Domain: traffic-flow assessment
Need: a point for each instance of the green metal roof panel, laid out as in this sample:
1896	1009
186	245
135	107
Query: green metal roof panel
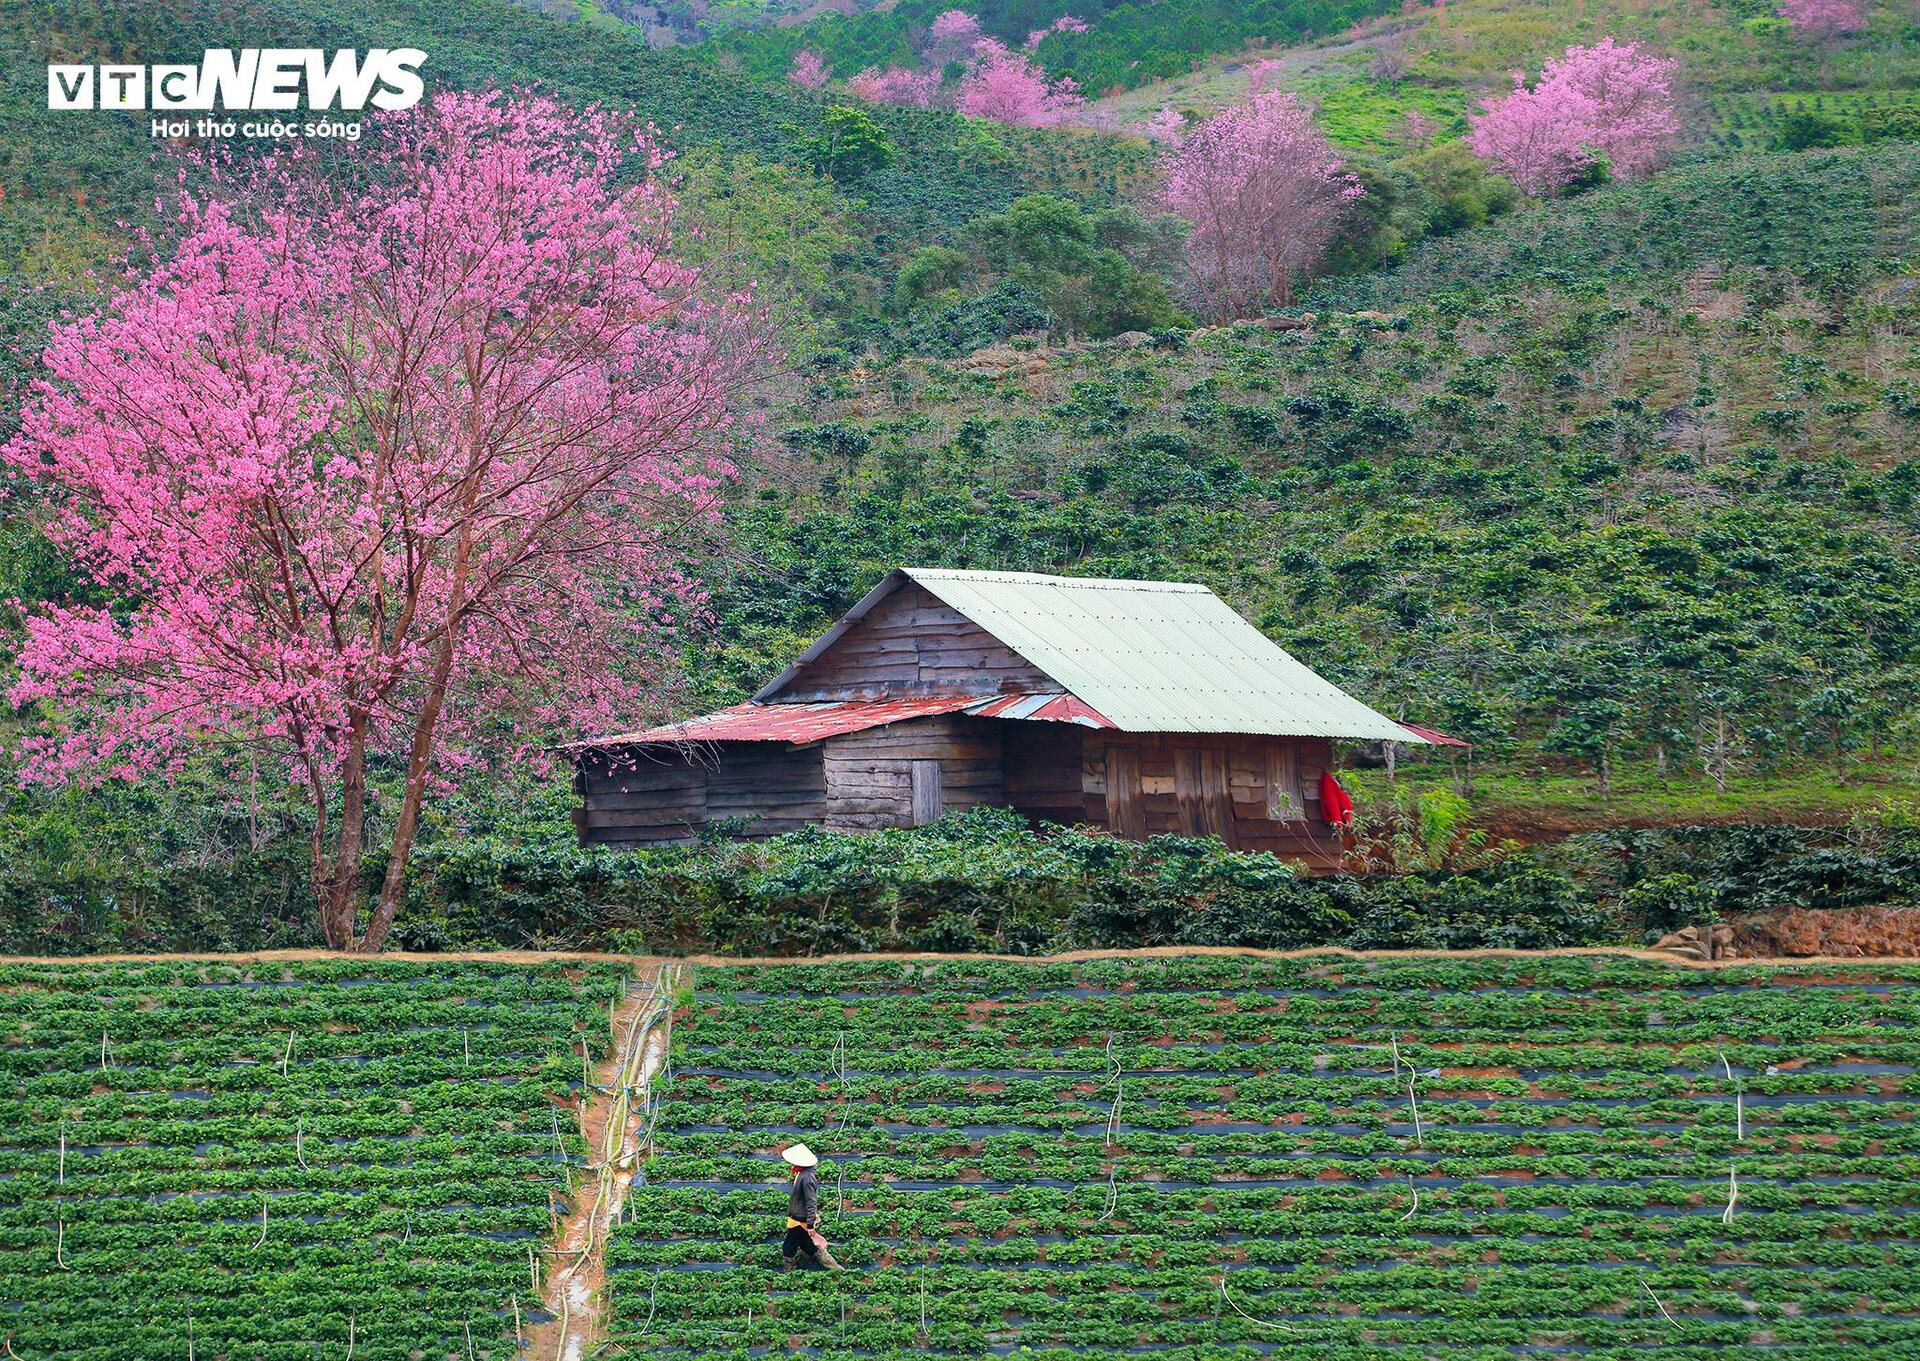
1156	656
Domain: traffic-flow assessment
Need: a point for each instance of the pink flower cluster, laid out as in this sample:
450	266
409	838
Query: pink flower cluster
1611	100
809	71
1066	23
398	465
951	38
1003	85
1265	193
1821	20
896	85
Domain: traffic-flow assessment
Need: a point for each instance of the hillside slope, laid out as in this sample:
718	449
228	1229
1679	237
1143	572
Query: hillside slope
1565	485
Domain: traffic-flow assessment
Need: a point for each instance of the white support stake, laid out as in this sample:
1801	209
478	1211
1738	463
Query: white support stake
1262	1323
1739	1101
1733	1193
1656	1302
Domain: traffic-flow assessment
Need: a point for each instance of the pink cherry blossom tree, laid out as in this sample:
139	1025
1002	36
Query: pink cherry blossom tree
1003	85
401	464
1265	193
1609	100
895	85
951	37
1066	23
1824	20
809	71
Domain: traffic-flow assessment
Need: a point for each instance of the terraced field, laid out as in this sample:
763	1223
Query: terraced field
284	1161
1327	1158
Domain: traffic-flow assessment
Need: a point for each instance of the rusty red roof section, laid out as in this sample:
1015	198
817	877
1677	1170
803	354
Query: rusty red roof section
1435	736
803	723
1045	708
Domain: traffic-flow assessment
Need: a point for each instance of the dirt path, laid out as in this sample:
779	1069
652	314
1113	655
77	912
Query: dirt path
613	1120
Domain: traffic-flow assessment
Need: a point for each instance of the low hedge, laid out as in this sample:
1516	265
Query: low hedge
981	882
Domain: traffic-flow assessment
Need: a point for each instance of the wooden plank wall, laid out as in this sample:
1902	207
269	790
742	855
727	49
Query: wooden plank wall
870	774
660	795
911	644
1041	762
1201	785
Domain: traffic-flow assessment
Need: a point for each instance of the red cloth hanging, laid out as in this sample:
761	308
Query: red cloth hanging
1335	805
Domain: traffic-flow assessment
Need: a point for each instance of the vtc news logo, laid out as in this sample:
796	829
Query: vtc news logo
269	78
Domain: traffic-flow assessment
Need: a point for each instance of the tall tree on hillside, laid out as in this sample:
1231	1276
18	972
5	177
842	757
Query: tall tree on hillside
951	37
809	72
1824	20
1265	193
1611	103
390	467
1003	85
895	85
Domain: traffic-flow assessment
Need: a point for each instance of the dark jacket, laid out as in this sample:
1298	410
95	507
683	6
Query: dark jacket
803	1203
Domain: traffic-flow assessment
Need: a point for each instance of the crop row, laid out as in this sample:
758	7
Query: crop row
251	1161
1331	1157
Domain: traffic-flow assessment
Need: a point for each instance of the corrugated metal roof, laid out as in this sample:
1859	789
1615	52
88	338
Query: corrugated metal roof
1155	656
1435	736
817	721
796	723
1047	708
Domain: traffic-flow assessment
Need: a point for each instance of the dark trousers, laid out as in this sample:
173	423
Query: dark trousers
796	1243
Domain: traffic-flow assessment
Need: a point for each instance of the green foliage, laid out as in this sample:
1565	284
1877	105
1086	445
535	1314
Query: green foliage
1128	43
931	270
1301	1158
1898	123
266	1157
849	146
1804	128
779	230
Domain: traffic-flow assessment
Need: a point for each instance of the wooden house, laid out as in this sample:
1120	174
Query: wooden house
1138	707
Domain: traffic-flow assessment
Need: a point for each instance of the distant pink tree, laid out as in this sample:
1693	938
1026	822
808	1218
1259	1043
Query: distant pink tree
1823	20
809	72
392	468
1265	193
895	85
1066	23
1609	100
1420	128
951	38
1005	86
1260	73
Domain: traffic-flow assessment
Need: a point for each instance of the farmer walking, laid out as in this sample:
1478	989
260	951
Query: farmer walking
803	1213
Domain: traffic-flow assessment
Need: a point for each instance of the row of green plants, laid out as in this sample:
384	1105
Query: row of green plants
262	1158
1019	1156
978	882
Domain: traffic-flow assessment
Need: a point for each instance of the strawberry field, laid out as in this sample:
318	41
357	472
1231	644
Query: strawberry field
284	1161
1331	1158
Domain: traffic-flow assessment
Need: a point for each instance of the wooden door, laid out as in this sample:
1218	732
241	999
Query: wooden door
927	802
1200	788
1126	813
1286	800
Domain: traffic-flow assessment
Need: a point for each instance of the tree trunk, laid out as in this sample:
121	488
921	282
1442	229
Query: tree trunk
420	754
341	904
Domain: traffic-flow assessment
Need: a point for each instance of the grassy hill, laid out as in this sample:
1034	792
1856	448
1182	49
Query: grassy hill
70	179
1566	484
1741	69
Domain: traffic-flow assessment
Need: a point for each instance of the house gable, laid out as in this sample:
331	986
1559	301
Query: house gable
908	643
